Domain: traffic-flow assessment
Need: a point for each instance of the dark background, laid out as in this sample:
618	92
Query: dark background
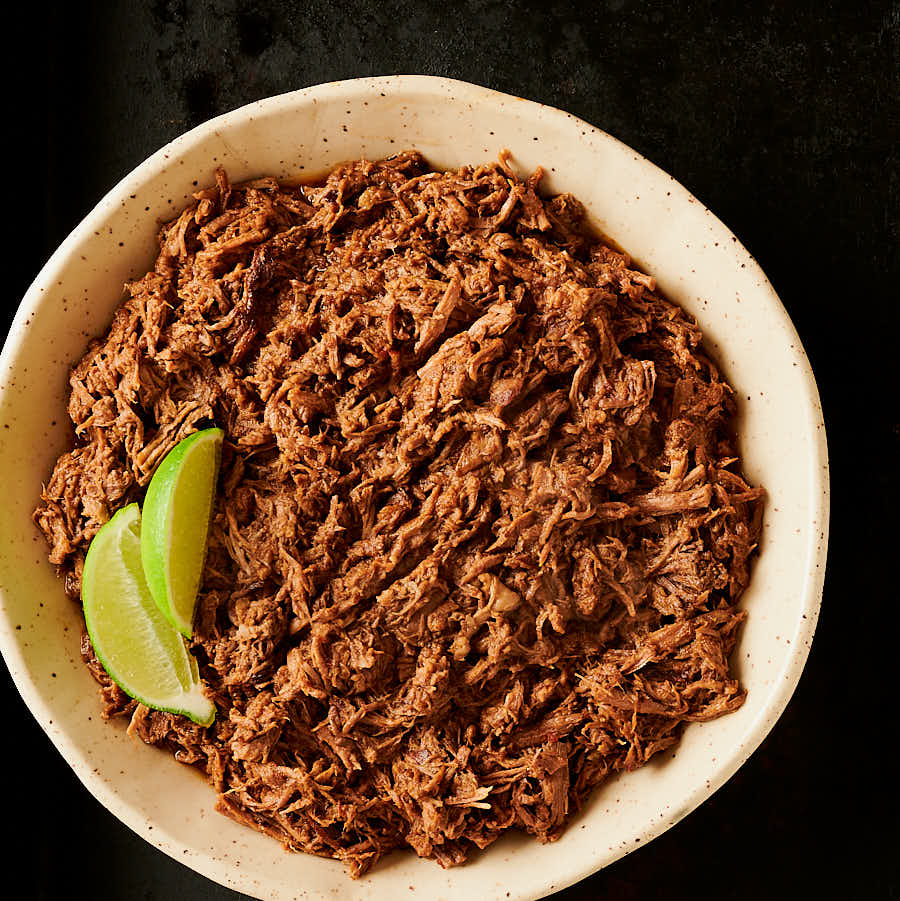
782	117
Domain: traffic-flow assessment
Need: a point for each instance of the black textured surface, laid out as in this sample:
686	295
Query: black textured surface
782	117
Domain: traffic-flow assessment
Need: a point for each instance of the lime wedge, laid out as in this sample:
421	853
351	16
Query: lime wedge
177	512
139	649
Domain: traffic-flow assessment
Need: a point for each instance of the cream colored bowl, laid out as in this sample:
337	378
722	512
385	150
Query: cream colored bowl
697	262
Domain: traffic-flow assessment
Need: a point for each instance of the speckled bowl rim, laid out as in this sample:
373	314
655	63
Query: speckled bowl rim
336	91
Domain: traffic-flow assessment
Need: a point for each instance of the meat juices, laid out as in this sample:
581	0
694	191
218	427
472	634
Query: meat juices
481	529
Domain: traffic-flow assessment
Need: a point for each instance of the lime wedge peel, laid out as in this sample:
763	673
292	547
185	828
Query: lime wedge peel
141	651
176	518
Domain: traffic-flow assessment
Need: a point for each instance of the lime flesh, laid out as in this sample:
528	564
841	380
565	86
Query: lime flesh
137	646
176	518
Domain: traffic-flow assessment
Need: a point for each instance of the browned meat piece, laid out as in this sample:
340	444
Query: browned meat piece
481	531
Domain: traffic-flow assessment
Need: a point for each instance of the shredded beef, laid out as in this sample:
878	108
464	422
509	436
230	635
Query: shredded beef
480	533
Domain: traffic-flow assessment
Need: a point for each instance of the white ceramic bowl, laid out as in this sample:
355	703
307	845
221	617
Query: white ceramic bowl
697	262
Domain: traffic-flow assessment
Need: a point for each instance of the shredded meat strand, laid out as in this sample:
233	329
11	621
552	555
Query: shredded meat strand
481	530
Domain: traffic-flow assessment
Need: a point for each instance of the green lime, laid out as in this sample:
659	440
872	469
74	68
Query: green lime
139	649
177	512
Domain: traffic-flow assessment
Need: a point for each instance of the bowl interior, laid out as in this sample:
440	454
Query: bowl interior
698	263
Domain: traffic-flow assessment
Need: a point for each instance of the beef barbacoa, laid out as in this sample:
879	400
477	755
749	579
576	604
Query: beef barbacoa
480	531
